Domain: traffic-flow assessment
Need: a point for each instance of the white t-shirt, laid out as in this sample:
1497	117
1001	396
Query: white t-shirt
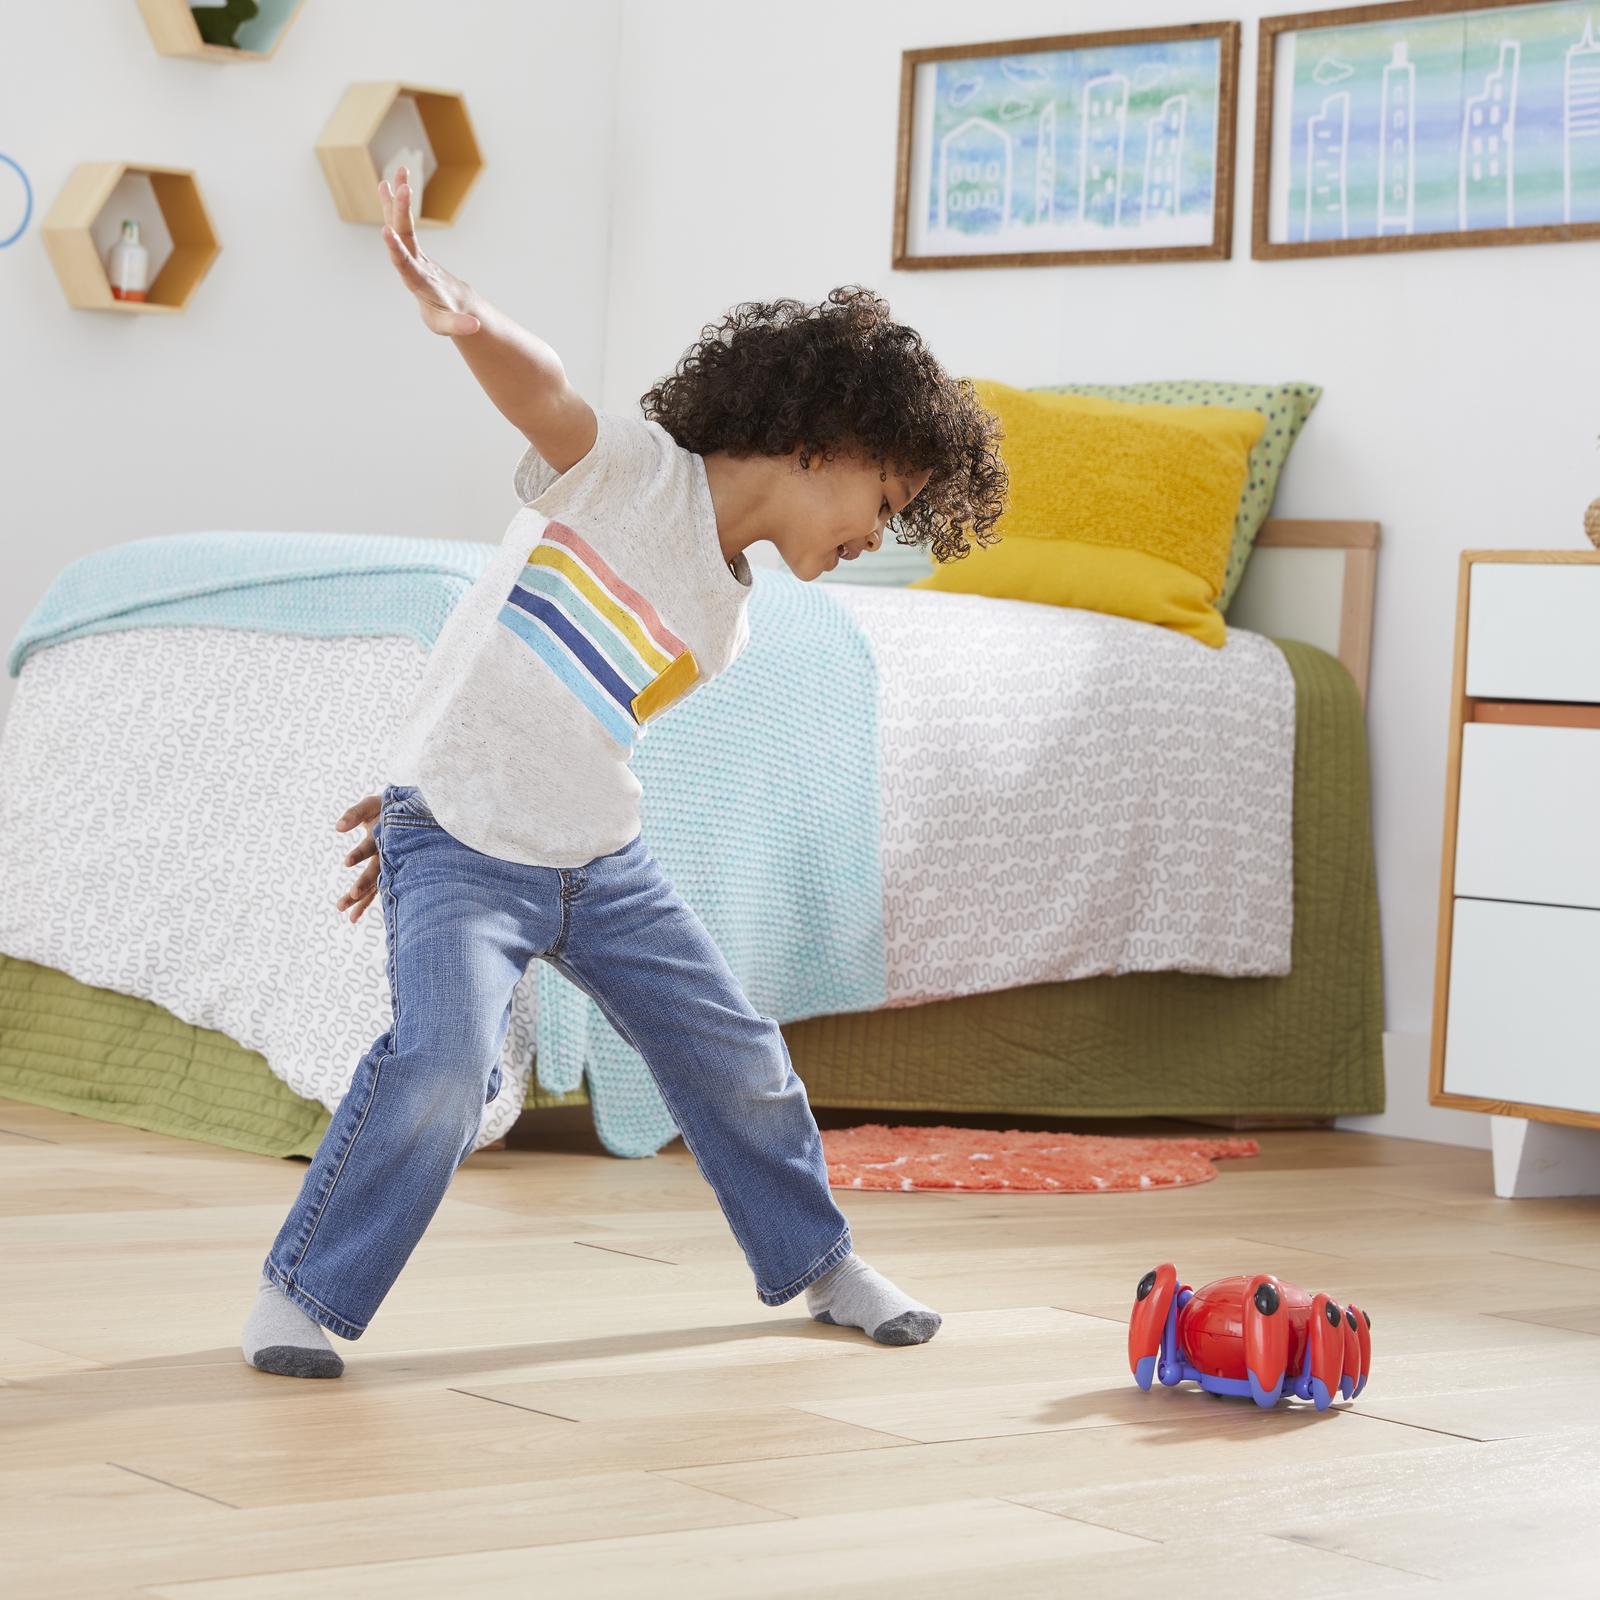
608	601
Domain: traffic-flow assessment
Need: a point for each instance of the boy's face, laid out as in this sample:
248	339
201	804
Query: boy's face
833	511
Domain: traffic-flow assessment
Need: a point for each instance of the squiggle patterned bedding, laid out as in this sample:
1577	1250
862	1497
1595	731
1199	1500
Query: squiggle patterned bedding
1067	794
182	847
1062	794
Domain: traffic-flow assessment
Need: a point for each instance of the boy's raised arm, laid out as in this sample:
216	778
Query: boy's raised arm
519	372
526	380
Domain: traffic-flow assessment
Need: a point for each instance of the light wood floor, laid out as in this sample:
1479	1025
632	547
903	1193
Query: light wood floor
573	1391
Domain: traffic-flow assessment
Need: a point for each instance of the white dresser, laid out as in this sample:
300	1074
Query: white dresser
1516	1021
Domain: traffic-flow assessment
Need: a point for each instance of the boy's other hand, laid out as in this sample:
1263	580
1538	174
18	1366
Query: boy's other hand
444	300
361	893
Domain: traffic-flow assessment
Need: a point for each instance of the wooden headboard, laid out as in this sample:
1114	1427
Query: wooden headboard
1313	581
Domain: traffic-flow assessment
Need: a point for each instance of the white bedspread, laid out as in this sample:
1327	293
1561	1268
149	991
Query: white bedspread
122	752
1063	794
1067	794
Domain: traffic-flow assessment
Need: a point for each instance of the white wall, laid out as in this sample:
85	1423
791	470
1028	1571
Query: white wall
754	157
759	159
299	389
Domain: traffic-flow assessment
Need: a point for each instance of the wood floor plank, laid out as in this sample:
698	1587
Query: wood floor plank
131	1529
1197	1565
898	1552
1503	1413
573	1388
1441	1475
987	1363
1581	1319
20	1360
1186	1431
299	1442
1438	1544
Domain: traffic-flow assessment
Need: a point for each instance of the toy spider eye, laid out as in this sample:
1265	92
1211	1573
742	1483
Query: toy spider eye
1266	1299
1369	1319
1333	1313
1349	1316
1146	1284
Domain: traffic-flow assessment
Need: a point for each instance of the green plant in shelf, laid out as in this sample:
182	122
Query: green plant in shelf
220	24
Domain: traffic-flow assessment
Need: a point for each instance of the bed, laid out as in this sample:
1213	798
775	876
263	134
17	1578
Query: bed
113	1011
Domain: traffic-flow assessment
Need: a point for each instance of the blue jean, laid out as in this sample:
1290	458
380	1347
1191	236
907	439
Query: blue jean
461	928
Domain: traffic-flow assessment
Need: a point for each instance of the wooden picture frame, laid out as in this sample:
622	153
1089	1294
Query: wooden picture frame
1476	180
1158	155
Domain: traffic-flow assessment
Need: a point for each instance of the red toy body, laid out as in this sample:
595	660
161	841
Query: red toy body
1250	1334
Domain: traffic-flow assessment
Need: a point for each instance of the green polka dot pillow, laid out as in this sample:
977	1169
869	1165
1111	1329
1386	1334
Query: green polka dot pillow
1285	405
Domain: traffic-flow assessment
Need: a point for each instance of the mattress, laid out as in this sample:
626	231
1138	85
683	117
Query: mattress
1308	1044
1060	794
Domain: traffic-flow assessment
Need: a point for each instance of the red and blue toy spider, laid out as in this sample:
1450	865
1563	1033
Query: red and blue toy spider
1249	1334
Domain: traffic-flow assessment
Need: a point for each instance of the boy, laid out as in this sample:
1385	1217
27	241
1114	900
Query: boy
510	827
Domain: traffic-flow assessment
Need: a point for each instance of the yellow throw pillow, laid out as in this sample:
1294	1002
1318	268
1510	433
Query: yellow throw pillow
1113	506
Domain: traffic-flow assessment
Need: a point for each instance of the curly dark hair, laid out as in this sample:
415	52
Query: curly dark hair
779	376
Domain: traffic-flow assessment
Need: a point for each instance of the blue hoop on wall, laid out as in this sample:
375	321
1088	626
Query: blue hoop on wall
27	202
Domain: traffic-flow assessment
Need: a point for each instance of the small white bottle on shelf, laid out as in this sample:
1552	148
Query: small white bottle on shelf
128	264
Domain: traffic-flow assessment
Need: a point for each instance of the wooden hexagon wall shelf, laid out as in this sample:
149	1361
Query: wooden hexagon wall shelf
87	217
173	26
373	122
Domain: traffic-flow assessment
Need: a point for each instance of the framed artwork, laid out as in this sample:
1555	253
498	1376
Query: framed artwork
1075	149
1425	125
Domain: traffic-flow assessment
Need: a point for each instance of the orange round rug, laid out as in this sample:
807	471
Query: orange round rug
875	1156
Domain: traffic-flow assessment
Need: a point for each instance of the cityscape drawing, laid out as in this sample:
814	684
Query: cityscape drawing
1438	124
1102	147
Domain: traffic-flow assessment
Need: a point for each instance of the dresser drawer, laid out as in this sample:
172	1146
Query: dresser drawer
1528	825
1533	631
1521	1021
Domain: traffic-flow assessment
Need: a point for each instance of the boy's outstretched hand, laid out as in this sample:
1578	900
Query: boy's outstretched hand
443	299
361	893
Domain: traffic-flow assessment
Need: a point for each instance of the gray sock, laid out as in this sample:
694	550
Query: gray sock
852	1294
281	1338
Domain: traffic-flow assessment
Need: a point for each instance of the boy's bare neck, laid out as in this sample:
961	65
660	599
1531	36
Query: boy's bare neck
741	494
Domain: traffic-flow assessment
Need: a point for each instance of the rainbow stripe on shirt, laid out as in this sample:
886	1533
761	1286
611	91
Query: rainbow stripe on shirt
598	634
